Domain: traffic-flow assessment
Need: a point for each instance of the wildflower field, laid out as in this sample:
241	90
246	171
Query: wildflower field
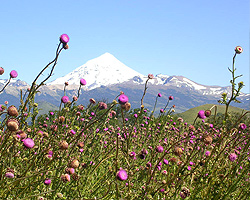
106	150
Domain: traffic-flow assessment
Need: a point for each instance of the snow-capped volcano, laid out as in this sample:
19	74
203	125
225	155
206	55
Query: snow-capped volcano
107	70
101	71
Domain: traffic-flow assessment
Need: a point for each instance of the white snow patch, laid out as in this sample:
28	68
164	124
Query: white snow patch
196	86
101	71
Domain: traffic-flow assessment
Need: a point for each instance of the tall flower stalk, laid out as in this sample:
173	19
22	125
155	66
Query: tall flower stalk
150	76
235	91
34	87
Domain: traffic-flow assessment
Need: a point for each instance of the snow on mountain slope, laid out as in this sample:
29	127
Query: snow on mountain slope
161	79
183	82
101	71
14	82
106	70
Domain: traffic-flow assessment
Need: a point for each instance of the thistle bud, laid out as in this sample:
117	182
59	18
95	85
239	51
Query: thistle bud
208	113
61	119
126	106
92	101
65	46
65	178
23	135
178	151
150	76
80	144
208	140
12	111
241	84
74	164
12	124
1	71
63	145
238	49
75	98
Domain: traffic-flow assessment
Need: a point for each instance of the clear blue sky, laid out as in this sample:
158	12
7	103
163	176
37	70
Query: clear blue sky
193	38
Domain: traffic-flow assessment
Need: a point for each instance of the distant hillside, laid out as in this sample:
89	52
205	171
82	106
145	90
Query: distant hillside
191	114
44	107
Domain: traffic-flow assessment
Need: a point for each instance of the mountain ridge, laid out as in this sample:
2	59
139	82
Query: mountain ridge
106	76
107	70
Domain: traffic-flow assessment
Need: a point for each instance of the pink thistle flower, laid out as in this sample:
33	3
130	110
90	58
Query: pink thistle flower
122	175
159	149
165	161
13	74
242	126
207	153
170	98
83	81
64	38
29	143
64	99
232	157
70	170
9	175
159	95
102	106
47	182
123	99
149	164
201	114
132	154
